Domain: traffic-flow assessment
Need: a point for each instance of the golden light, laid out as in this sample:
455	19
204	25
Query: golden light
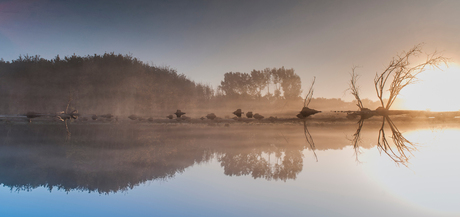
430	181
436	90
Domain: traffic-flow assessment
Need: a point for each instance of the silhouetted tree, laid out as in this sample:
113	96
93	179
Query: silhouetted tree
401	73
236	84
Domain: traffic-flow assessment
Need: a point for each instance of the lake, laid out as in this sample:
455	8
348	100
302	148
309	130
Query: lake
288	168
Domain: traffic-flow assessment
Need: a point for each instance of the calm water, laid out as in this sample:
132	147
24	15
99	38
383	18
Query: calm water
281	169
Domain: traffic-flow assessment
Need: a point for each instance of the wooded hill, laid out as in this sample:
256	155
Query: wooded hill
106	83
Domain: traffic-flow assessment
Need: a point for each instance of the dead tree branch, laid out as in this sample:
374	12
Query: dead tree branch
309	95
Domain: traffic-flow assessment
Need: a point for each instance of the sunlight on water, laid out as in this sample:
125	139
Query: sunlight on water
433	181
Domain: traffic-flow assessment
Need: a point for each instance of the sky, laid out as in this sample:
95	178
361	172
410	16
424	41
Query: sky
204	39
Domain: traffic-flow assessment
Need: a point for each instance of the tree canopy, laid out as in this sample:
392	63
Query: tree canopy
252	85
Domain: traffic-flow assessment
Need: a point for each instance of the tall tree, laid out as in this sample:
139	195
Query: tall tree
276	75
290	83
259	80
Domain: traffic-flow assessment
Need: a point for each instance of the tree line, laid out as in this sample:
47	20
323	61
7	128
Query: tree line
108	83
123	85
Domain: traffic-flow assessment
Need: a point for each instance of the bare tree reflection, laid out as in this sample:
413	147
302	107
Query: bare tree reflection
66	116
68	131
309	139
400	149
357	139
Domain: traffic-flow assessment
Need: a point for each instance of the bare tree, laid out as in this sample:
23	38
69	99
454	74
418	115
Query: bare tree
404	73
354	88
364	113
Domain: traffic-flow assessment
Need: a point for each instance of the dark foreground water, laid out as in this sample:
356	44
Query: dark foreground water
279	169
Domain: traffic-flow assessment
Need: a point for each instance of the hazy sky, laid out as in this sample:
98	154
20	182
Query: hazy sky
205	39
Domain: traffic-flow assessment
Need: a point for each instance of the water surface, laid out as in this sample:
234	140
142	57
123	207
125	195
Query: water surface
277	169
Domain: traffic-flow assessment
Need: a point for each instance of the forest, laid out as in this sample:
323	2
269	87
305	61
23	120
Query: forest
122	85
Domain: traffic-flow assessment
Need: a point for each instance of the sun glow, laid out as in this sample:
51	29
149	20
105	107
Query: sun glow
436	90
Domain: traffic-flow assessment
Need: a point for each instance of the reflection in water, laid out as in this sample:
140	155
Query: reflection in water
108	158
403	146
357	139
398	151
288	163
309	139
67	130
